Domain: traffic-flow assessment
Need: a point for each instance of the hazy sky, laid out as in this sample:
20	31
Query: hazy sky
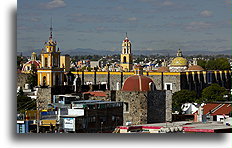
102	24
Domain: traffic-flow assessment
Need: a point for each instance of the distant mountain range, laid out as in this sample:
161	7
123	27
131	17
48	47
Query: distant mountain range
89	51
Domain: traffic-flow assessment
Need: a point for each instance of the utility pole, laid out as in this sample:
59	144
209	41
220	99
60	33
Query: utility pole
101	126
37	111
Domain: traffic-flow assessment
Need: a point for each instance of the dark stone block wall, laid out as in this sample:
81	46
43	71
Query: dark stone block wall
159	106
137	106
146	107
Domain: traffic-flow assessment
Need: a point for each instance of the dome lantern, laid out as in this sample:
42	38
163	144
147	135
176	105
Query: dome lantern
179	53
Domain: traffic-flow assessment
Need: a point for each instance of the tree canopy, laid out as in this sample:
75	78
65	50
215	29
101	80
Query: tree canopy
202	63
214	92
181	97
215	64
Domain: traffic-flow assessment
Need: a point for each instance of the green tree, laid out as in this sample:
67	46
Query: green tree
20	61
214	92
83	68
181	97
218	64
201	63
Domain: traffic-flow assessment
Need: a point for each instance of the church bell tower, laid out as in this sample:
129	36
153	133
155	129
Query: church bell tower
126	55
50	73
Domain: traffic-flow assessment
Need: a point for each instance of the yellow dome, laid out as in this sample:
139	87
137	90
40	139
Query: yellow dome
179	61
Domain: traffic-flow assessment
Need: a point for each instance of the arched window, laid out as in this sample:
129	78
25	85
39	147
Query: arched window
124	59
152	86
44	81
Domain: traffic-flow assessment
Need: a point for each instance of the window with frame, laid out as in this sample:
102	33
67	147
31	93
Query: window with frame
168	86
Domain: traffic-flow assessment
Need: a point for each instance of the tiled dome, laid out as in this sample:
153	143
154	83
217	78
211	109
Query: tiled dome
30	63
179	61
137	83
195	68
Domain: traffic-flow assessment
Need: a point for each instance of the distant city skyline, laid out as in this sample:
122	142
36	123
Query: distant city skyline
102	25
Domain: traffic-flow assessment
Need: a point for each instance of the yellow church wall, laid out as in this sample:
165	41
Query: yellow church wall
128	73
49	74
50	48
40	78
102	72
128	58
65	62
115	73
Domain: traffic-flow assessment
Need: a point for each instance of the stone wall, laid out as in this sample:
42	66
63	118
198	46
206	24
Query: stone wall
113	79
185	80
44	97
45	94
159	106
146	107
136	103
21	79
168	105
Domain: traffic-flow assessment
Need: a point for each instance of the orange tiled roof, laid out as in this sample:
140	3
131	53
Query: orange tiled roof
96	93
224	108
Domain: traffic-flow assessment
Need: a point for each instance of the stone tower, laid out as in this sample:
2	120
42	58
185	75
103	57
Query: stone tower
126	55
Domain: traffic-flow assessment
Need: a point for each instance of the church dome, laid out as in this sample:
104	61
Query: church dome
163	69
137	83
195	68
28	66
179	61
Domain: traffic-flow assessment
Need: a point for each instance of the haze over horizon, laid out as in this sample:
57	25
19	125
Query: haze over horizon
152	25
